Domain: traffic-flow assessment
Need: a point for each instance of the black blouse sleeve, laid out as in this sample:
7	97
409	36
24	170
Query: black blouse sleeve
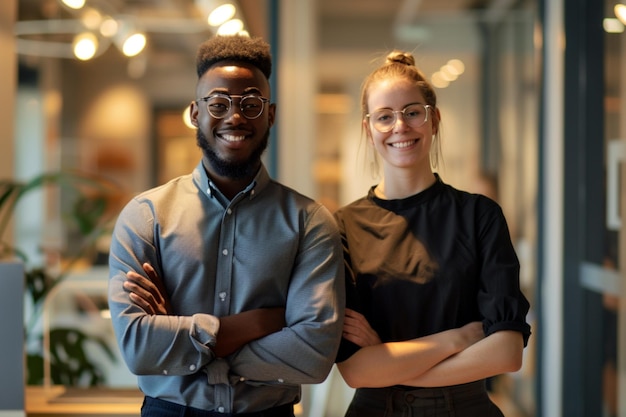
347	348
500	299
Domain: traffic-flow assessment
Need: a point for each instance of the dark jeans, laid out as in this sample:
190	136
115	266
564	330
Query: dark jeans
154	407
466	400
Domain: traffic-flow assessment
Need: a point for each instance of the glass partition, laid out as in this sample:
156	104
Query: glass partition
614	272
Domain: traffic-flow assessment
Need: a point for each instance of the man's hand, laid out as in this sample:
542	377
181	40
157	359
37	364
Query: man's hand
235	331
148	293
357	330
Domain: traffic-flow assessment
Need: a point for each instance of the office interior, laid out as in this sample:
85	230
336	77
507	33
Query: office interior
533	101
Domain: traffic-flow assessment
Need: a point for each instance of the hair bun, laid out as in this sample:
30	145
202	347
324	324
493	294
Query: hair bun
399	57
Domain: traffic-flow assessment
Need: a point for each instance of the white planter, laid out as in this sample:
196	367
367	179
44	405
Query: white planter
12	345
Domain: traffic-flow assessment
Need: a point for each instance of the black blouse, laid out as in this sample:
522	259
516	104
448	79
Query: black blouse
430	262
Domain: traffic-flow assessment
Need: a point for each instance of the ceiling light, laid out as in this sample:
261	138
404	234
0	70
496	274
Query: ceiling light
74	4
612	25
620	12
128	39
222	14
85	46
438	81
448	73
134	44
232	27
31	39
457	66
91	18
109	27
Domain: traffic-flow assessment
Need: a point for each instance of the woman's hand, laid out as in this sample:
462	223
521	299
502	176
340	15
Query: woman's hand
357	330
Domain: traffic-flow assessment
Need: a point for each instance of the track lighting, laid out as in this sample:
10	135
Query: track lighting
74	4
222	14
92	29
128	39
85	46
620	12
134	44
232	27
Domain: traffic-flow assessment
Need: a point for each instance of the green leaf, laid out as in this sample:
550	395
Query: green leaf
34	369
69	362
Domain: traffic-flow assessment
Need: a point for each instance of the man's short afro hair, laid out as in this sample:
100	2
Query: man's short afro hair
253	51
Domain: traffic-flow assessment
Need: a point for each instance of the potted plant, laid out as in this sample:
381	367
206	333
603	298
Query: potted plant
87	214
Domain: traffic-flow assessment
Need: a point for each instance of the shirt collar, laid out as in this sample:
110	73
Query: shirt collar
257	185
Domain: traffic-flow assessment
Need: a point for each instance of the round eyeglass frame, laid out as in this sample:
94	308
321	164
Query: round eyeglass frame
242	98
410	122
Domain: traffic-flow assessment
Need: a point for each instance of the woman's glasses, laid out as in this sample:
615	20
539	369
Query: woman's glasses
414	115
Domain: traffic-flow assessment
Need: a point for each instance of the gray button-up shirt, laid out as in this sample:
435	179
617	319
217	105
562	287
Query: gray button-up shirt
268	247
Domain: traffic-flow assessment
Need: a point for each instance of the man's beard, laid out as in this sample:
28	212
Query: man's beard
234	170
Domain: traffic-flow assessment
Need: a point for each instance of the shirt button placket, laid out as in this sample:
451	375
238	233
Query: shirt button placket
224	271
222	294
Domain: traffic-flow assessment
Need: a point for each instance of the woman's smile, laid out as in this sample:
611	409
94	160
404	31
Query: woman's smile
403	144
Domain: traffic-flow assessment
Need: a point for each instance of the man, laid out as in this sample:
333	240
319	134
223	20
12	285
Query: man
226	288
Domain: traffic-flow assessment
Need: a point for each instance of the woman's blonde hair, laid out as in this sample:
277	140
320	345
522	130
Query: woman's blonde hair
399	64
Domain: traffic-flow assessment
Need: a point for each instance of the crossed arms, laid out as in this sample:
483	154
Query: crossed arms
451	357
234	331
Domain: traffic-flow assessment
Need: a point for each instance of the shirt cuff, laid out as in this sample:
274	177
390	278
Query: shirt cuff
204	328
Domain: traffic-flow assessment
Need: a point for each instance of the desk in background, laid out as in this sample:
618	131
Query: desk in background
59	401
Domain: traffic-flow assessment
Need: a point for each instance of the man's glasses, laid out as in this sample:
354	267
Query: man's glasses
414	115
219	105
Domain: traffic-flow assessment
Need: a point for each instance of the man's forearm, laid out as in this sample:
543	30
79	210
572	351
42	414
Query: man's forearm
239	329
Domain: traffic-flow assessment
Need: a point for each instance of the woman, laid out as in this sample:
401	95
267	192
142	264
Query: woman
434	301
